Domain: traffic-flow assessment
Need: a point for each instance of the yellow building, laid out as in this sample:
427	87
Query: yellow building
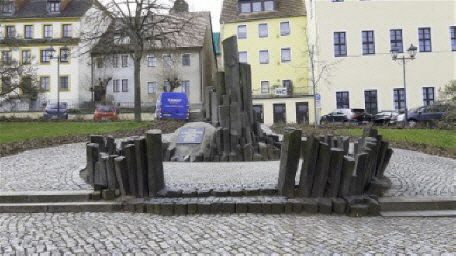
272	39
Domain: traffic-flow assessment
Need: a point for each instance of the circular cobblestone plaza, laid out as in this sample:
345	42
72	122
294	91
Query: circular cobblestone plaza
412	174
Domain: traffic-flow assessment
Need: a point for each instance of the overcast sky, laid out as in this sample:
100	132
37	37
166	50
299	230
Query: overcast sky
214	6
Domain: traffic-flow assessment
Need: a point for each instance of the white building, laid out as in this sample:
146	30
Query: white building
29	27
355	38
190	59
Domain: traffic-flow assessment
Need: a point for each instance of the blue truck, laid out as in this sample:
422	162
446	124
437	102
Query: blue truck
172	105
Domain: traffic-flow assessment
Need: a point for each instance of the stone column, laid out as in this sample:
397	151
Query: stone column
156	178
334	174
321	172
121	167
289	160
348	169
130	154
308	167
141	167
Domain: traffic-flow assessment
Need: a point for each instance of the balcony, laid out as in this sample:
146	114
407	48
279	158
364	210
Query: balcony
283	92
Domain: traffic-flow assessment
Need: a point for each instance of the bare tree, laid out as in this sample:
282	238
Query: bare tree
135	27
171	71
18	80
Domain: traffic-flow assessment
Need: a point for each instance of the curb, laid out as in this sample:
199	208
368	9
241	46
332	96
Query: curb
45	196
404	204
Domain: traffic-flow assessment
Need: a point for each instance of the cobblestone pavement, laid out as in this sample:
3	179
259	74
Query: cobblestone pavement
142	233
48	169
57	168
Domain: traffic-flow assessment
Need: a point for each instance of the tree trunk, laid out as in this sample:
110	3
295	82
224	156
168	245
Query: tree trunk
137	67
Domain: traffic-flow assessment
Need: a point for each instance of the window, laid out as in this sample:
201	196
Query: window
265	87
368	42
337	0
10	31
340	44
167	85
399	98
124	61
242	57
263	30
167	60
54	6
7	57
26	57
47	31
428	96
152	87
7	8
264	57
342	100
453	38
115	85
124	85
285	28
396	40
256	6
151	61
64	83
118	39
28	31
288	84
67	31
64	56
100	62
370	100
186	87
424	36
45	83
286	54
242	32
45	56
186	59
115	61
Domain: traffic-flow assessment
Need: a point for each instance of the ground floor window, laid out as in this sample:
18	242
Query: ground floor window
258	113
280	113
186	87
115	85
342	100
152	87
370	98
64	83
428	96
124	85
302	112
399	98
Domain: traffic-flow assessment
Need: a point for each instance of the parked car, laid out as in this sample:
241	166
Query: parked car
385	117
352	115
52	111
105	113
172	105
422	115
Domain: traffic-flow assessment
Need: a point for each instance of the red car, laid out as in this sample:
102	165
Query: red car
105	113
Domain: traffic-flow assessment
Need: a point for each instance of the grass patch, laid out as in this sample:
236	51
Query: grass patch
24	131
436	138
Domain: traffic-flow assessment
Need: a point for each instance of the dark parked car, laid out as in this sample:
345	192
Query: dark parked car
385	117
352	115
53	112
426	114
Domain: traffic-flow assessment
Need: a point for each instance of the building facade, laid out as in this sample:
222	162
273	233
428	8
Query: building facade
272	39
355	39
29	27
191	62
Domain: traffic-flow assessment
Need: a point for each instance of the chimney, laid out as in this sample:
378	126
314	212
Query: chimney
179	6
63	4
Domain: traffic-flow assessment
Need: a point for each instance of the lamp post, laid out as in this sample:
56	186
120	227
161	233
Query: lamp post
51	51
411	56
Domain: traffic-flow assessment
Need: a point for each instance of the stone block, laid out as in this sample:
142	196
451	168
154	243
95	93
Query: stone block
96	195
263	149
189	193
228	207
174	192
339	205
310	205
373	207
359	210
100	140
192	207
267	207
241	207
288	207
248	152
121	168
141	167
268	192
108	194
221	192
252	191
236	192
335	172
324	205
204	207
204	192
291	149
130	154
140	208
257	158
180	208
167	208
255	207
361	173
297	206
277	208
111	146
111	173
348	169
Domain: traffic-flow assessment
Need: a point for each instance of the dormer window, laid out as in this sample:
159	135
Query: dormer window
54	7
250	6
7	8
118	39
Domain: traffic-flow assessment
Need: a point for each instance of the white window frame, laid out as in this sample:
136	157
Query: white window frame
246	31
289	28
281	57
246	57
122	61
189	59
154	62
261	87
154	90
184	89
268	56
267	30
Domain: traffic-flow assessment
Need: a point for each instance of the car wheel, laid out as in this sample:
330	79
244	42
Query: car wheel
412	123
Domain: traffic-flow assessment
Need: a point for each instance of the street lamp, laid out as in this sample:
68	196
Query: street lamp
63	55
411	56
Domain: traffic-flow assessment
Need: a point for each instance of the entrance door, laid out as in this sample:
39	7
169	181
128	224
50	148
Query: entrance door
302	112
280	113
258	113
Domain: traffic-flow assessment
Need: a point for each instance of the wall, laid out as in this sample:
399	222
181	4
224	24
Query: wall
356	73
290	105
